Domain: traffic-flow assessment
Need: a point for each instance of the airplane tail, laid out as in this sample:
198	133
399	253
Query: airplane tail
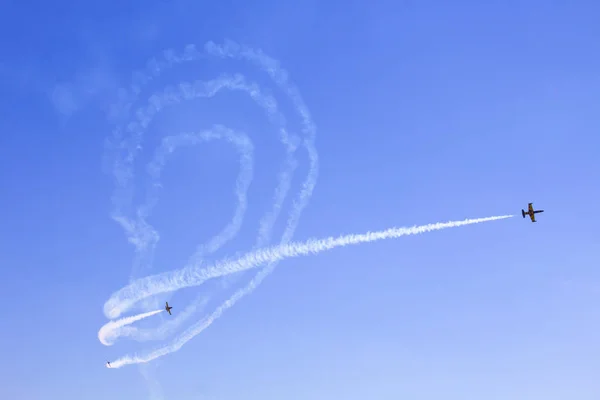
523	212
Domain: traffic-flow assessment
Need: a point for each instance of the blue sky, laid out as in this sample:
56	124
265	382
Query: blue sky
425	111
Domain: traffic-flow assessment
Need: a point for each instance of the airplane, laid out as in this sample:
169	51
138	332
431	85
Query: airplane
531	212
108	364
168	308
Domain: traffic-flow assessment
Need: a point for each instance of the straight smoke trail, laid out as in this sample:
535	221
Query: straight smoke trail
142	288
163	283
109	331
166	329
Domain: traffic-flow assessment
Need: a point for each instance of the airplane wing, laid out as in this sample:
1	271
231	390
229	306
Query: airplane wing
530	207
532	216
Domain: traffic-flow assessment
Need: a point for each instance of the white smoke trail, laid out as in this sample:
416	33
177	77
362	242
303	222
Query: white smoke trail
109	331
164	330
140	233
127	139
160	283
144	237
126	297
245	150
280	76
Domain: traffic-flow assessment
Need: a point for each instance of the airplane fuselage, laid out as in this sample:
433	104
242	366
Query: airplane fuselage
534	212
531	212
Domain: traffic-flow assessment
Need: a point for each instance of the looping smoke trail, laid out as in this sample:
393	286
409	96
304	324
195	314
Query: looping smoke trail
127	138
168	145
127	142
109	331
168	282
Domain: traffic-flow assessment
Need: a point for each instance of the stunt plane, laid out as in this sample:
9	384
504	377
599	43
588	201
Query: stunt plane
108	364
531	212
168	308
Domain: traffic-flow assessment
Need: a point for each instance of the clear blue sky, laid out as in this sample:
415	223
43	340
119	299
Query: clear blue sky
425	111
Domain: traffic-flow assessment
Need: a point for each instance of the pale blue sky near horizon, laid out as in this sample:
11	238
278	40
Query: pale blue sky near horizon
425	111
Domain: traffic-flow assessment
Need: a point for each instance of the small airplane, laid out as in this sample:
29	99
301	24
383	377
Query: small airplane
531	212
168	308
108	364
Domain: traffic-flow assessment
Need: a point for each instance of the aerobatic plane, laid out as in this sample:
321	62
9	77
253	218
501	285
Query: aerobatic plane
168	308
108	364
531	212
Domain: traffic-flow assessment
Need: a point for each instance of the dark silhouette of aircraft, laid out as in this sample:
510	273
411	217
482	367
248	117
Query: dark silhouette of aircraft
108	364
531	212
168	308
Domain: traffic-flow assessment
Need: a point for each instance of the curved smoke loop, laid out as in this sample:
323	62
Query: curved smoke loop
127	140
